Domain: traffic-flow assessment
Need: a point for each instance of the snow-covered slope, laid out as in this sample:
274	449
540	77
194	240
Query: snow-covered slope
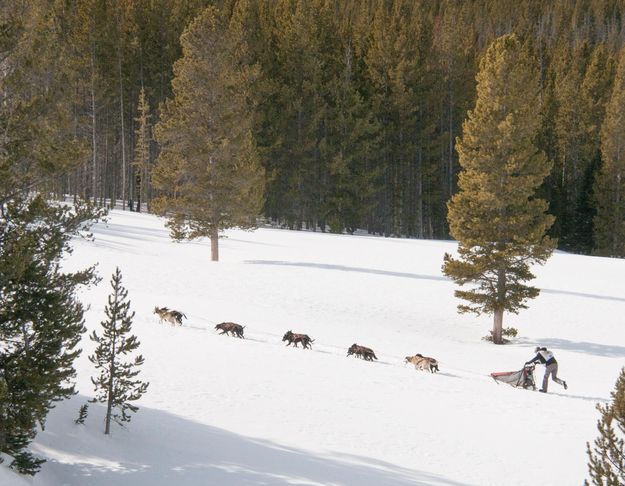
225	411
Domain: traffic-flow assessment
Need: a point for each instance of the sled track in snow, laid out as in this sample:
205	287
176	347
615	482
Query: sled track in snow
320	347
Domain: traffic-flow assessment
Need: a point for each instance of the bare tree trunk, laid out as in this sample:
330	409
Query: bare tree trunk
617	200
498	314
138	188
93	132
450	167
103	185
109	407
419	188
109	401
131	185
498	326
214	245
123	140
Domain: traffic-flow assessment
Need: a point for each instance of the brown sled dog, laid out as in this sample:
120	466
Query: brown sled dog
298	338
172	316
424	363
230	328
361	352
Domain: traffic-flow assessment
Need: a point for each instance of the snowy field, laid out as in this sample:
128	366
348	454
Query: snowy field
231	412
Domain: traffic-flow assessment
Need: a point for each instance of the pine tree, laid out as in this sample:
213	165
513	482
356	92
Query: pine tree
141	161
499	224
208	170
609	190
595	93
351	145
117	384
572	135
41	320
83	411
606	460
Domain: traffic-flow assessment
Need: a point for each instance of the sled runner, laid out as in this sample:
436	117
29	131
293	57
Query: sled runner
523	378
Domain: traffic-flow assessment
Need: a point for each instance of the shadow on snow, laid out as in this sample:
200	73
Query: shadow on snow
438	278
160	448
343	268
596	349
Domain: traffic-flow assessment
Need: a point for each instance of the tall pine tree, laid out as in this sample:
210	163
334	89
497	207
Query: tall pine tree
117	384
609	190
41	320
595	93
208	171
141	161
499	224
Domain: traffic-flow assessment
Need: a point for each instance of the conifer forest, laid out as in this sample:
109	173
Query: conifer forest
354	107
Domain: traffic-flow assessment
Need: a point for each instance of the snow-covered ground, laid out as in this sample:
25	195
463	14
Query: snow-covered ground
225	411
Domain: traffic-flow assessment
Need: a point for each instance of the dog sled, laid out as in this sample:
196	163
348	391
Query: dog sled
523	378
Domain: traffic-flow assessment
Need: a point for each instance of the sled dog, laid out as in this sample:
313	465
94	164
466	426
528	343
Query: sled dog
424	363
298	338
172	316
230	328
361	352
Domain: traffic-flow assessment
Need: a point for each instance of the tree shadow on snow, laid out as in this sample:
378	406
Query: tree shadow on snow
595	349
439	278
131	232
582	294
159	448
343	268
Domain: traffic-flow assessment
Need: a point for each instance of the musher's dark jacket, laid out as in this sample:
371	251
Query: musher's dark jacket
543	357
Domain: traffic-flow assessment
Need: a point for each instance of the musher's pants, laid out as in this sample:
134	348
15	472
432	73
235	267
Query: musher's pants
552	370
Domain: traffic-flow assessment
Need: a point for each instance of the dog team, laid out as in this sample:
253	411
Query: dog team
419	361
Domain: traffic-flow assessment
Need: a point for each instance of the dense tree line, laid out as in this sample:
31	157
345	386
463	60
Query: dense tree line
358	104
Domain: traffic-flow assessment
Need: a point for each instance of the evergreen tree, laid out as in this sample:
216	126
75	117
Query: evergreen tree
594	95
571	131
82	414
41	321
117	384
208	170
141	161
606	460
351	145
499	224
609	190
